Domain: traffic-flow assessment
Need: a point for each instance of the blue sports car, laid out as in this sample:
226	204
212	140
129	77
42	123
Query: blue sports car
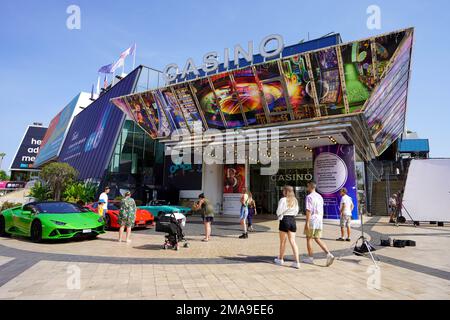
158	207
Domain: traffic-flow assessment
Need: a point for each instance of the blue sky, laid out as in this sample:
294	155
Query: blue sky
44	64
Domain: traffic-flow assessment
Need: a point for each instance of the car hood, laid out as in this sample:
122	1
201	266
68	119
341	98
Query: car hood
72	220
181	208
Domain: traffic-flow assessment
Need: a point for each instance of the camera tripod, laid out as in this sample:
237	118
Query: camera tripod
365	247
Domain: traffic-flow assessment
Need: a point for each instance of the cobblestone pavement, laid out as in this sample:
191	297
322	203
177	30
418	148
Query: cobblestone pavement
226	267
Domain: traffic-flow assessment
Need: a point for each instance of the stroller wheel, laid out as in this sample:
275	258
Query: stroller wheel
176	248
186	245
165	247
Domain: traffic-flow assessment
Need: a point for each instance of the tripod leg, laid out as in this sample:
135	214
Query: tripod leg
370	253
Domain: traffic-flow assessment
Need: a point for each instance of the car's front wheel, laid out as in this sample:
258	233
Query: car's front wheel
36	231
3	232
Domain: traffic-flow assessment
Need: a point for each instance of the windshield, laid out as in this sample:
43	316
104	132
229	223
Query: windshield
159	203
112	206
58	207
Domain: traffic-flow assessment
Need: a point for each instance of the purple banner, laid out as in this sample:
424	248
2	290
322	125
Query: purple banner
334	169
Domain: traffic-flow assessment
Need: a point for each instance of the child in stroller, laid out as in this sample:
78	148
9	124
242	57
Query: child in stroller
172	224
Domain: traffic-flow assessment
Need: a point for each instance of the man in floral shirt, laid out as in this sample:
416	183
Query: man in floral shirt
127	216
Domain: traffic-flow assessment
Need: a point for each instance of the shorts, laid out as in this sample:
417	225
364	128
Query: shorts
345	221
288	224
244	213
208	219
126	220
313	233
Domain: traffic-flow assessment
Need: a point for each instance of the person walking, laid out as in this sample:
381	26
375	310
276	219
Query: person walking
104	197
127	216
204	206
101	208
251	212
244	213
287	211
314	224
345	209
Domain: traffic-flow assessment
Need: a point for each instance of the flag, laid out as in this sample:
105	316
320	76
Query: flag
105	83
121	61
106	69
129	51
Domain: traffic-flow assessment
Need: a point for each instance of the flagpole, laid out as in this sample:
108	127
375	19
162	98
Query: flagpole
98	84
134	56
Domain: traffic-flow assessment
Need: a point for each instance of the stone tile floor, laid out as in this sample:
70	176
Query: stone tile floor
226	267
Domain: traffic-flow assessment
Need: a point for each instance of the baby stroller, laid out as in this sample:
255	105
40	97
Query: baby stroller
172	225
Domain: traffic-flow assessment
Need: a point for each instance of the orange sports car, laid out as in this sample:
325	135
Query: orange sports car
144	218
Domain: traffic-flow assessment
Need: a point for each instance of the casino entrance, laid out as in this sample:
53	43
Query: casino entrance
267	190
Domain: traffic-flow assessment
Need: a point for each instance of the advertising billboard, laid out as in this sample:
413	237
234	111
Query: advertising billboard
249	91
386	109
234	178
291	87
94	131
28	149
208	103
233	186
327	81
334	169
359	73
299	84
57	130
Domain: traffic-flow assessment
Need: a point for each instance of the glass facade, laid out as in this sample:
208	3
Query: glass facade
267	190
135	163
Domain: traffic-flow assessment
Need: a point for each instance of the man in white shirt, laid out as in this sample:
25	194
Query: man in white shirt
104	197
345	208
314	224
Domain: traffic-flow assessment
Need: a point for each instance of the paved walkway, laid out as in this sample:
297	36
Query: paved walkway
226	267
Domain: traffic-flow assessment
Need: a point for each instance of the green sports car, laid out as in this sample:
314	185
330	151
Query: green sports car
50	220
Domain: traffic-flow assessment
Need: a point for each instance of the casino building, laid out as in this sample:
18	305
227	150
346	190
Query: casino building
321	109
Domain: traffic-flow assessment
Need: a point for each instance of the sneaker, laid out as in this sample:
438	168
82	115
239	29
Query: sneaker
295	265
128	241
340	239
348	240
278	261
243	236
330	259
308	260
